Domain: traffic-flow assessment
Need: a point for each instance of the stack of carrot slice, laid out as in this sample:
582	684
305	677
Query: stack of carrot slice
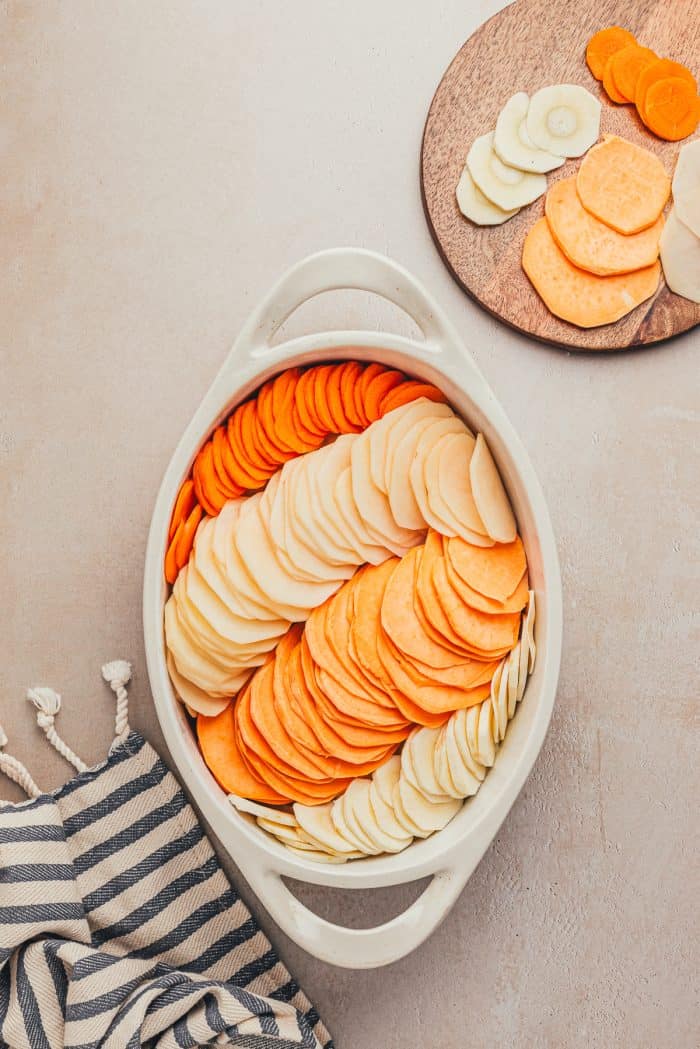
594	257
290	415
402	643
664	92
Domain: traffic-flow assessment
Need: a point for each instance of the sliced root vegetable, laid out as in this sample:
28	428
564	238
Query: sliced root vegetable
512	142
490	497
611	88
576	296
671	108
591	244
626	67
686	186
184	504
661	69
623	185
603	44
507	187
680	256
219	743
564	119
478	208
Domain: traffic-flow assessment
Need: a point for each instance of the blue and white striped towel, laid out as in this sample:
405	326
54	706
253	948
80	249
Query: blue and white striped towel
119	929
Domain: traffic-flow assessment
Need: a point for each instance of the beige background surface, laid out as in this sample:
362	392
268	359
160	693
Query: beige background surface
160	163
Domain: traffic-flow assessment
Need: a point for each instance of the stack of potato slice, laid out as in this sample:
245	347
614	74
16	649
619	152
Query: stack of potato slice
402	643
594	256
414	794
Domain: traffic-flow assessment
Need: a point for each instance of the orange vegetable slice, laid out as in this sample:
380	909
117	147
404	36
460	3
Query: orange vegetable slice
623	185
206	484
671	108
603	44
224	463
410	391
184	505
370	372
626	66
183	549
171	567
662	69
320	393
304	404
377	389
349	380
251	451
611	88
219	746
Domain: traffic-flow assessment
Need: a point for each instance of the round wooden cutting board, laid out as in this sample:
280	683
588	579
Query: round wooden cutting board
533	43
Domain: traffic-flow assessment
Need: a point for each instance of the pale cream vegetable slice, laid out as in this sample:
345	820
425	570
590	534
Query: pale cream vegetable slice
309	561
351	822
478	208
215	576
373	503
513	673
505	186
484	745
192	664
403	503
443	773
420	751
316	822
386	777
358	805
411	414
523	659
242	583
195	699
686	187
403	816
529	630
459	721
499	700
386	817
221	619
369	546
464	779
311	526
416	474
680	257
426	814
512	142
564	119
324	857
254	808
449	487
490	497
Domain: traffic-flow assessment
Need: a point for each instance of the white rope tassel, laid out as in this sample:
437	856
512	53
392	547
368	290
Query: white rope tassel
15	770
48	704
117	674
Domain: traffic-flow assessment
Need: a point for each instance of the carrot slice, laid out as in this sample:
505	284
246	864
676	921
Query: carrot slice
611	88
410	391
370	372
247	476
185	543
250	450
352	370
304	403
603	44
266	419
320	394
222	459
626	66
219	746
378	388
671	108
206	485
183	505
662	69
171	566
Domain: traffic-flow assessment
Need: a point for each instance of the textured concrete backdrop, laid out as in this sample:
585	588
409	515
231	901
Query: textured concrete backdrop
160	164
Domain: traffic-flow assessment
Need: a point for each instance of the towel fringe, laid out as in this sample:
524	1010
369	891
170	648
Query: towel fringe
117	674
15	770
48	704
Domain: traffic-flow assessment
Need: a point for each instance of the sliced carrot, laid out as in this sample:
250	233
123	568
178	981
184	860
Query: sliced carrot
222	459
352	370
206	484
304	403
611	88
246	475
370	372
171	566
251	450
266	418
662	69
603	44
335	402
410	391
320	394
186	541
218	743
184	504
378	388
671	108
626	66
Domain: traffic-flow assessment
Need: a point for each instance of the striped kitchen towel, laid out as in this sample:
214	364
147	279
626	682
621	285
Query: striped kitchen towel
118	928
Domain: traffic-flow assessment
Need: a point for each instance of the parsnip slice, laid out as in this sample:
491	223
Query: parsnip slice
680	258
478	208
686	186
563	119
512	142
505	186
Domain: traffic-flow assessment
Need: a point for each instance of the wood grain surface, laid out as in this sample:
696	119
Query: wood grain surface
528	45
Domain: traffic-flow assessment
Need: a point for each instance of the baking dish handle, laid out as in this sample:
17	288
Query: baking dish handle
340	269
360	948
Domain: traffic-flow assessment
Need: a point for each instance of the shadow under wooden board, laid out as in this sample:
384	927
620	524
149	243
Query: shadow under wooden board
530	44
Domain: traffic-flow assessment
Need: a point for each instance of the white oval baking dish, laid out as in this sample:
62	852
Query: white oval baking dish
450	855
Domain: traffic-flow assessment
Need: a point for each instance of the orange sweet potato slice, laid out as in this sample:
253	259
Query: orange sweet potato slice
184	504
320	391
611	88
671	108
494	571
591	244
603	44
491	633
247	475
218	743
576	296
430	697
338	620
276	746
410	391
626	66
514	603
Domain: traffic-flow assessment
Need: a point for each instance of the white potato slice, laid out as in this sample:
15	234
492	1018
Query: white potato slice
507	187
386	817
369	546
279	816
476	207
466	783
449	485
403	503
373	503
404	421
311	562
353	826
195	699
564	119
416	474
386	777
420	745
294	835
459	721
489	494
686	186
332	460
325	857
499	700
680	257
311	525
200	669
358	804
512	142
316	822
221	619
428	815
402	815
